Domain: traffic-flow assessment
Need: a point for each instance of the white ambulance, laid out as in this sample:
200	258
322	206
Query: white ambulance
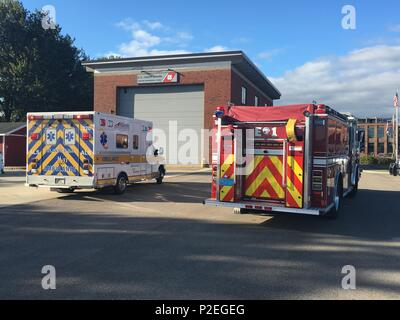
85	150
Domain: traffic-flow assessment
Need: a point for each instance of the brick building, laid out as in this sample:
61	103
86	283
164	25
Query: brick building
377	139
184	88
13	143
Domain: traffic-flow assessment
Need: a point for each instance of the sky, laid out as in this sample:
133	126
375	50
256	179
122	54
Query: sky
300	45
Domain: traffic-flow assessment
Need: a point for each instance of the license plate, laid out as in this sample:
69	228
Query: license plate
60	181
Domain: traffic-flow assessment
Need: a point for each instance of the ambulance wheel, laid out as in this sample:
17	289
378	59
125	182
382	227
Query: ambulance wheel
122	182
337	201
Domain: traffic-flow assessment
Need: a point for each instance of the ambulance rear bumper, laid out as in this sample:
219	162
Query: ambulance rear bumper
265	208
61	182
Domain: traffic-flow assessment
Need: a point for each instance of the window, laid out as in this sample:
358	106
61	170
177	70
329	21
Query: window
381	148
135	142
256	101
381	132
371	132
122	141
390	148
371	148
244	95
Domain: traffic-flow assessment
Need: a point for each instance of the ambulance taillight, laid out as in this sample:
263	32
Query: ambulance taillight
34	165
34	136
86	136
86	166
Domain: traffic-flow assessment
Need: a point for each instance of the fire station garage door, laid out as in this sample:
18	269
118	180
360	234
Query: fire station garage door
184	104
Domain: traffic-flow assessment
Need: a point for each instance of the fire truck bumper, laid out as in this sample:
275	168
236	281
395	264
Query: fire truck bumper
265	209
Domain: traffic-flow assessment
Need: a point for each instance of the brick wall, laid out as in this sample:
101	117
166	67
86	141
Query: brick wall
237	83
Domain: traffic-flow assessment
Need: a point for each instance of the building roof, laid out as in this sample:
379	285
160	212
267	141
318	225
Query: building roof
237	58
10	127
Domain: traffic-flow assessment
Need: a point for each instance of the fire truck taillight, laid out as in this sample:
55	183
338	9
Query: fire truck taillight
317	180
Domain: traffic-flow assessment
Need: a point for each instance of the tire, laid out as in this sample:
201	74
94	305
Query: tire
338	201
121	185
161	175
354	191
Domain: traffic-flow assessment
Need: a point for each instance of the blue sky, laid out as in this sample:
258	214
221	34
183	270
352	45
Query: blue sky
281	37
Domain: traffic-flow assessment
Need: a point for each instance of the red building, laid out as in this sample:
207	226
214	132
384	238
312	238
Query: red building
13	143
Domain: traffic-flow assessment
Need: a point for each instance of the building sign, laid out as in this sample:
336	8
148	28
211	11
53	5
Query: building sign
158	77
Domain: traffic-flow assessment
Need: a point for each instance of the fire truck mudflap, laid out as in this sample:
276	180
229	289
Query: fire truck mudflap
263	159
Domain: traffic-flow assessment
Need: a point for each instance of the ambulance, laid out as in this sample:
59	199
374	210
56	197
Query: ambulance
67	151
298	159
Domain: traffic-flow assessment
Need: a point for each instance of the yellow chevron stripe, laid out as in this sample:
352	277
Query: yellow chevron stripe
266	174
224	192
277	163
37	144
227	164
296	168
297	197
259	179
51	156
298	171
275	184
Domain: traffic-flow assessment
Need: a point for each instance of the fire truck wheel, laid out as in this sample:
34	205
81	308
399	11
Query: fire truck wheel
337	202
121	184
161	174
353	192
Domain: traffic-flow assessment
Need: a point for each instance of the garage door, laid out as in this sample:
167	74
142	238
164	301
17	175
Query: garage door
165	106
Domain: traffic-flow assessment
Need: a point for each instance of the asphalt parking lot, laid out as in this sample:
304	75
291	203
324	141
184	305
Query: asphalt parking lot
160	242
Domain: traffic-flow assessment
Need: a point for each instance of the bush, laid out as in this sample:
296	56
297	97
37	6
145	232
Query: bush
368	160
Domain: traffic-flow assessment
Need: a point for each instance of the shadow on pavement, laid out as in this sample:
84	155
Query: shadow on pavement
103	256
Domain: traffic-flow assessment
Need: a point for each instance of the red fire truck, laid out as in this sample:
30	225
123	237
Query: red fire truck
300	159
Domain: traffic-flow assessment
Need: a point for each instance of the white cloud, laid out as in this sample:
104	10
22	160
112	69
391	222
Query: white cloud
395	28
217	48
153	25
362	82
269	54
151	38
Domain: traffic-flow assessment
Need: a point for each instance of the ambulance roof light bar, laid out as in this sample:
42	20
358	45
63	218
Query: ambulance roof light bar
60	116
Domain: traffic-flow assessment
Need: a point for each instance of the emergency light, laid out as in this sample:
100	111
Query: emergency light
220	112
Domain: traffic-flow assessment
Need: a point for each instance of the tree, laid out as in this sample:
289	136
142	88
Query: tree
40	69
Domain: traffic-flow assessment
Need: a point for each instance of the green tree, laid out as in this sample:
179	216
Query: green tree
40	69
